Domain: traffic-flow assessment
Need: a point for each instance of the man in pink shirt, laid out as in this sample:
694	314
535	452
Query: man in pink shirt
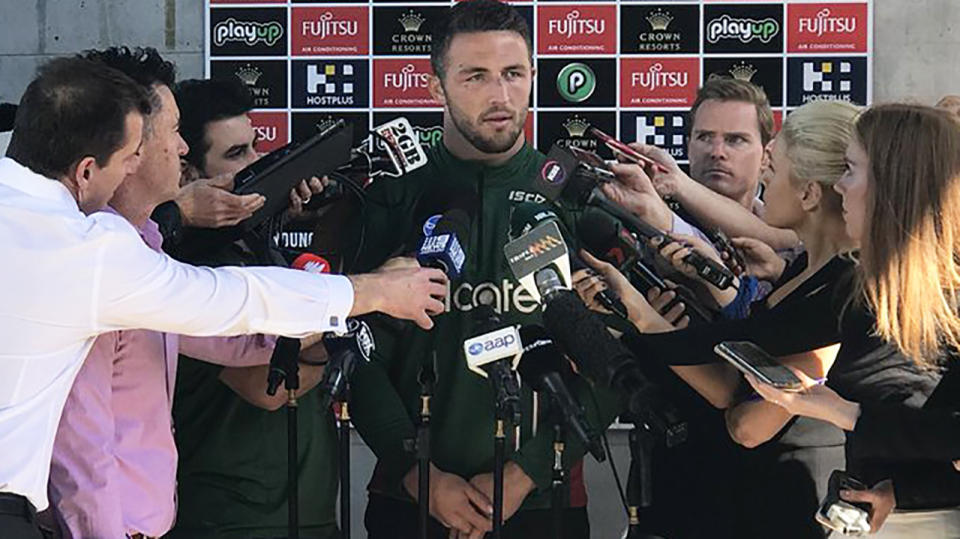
113	472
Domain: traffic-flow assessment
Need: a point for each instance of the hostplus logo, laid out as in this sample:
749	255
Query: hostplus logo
248	32
655	77
574	25
335	85
576	82
744	30
326	26
823	23
407	78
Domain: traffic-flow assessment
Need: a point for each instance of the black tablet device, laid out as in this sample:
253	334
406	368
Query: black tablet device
277	173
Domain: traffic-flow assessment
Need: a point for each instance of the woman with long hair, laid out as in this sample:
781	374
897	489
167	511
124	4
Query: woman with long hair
901	199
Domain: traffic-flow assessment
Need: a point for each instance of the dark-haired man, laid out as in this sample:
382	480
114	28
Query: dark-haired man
78	135
483	75
232	445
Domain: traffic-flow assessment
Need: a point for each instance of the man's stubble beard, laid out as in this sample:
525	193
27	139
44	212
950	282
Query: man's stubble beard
485	144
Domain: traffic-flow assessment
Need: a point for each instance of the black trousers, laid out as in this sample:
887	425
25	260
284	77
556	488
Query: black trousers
18	518
387	518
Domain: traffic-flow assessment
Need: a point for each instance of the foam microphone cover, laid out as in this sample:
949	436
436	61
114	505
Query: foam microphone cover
541	356
584	338
597	230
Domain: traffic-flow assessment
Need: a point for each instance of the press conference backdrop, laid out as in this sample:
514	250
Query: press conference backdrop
630	68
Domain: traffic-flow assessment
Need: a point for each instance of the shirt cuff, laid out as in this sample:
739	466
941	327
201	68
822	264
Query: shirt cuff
679	226
340	302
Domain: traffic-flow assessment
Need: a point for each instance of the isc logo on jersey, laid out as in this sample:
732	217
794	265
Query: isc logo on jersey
524	196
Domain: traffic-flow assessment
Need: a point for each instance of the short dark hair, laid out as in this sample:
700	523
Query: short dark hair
74	108
142	64
731	89
202	101
474	16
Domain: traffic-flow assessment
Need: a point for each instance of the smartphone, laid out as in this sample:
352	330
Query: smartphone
751	359
841	516
620	148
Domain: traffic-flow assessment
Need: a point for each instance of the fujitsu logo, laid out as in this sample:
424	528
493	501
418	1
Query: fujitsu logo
248	32
326	25
267	133
823	23
655	77
407	78
572	25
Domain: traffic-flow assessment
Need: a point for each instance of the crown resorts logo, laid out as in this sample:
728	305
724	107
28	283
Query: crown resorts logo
248	32
743	71
407	78
576	127
655	77
325	123
411	40
326	26
573	24
744	30
823	23
249	75
576	82
659	20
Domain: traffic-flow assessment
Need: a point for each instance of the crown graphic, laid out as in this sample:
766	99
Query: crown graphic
659	19
576	126
411	21
743	71
249	75
325	123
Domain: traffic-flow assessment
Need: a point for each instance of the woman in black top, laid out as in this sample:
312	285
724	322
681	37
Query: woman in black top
901	198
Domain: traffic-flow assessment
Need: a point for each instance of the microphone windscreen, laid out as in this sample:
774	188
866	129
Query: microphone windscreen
597	230
541	356
584	337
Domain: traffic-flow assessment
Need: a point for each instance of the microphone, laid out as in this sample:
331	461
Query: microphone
607	238
604	360
286	352
527	216
559	178
494	354
345	352
600	357
392	150
543	369
441	249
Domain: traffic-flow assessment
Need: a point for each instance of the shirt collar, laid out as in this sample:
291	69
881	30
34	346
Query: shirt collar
493	175
21	178
149	231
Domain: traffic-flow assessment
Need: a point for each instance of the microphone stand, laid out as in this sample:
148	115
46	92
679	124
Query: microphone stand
499	458
422	445
343	429
284	367
640	478
558	478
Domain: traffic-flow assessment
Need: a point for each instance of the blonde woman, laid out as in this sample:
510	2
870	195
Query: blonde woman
901	199
800	319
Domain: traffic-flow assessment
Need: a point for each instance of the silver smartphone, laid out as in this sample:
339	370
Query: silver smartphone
751	359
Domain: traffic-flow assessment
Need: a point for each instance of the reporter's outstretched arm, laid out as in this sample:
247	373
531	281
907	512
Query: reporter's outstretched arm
404	293
712	209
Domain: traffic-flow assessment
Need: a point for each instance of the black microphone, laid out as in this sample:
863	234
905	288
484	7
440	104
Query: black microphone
345	352
528	215
607	239
604	360
284	365
559	178
543	368
442	248
494	354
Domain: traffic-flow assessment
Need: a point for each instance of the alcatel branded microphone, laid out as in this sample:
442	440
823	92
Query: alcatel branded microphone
494	354
544	368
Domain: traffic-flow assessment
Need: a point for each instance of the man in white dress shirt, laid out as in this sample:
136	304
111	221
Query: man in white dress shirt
68	274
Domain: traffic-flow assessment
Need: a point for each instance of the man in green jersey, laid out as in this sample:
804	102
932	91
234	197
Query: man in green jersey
483	75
